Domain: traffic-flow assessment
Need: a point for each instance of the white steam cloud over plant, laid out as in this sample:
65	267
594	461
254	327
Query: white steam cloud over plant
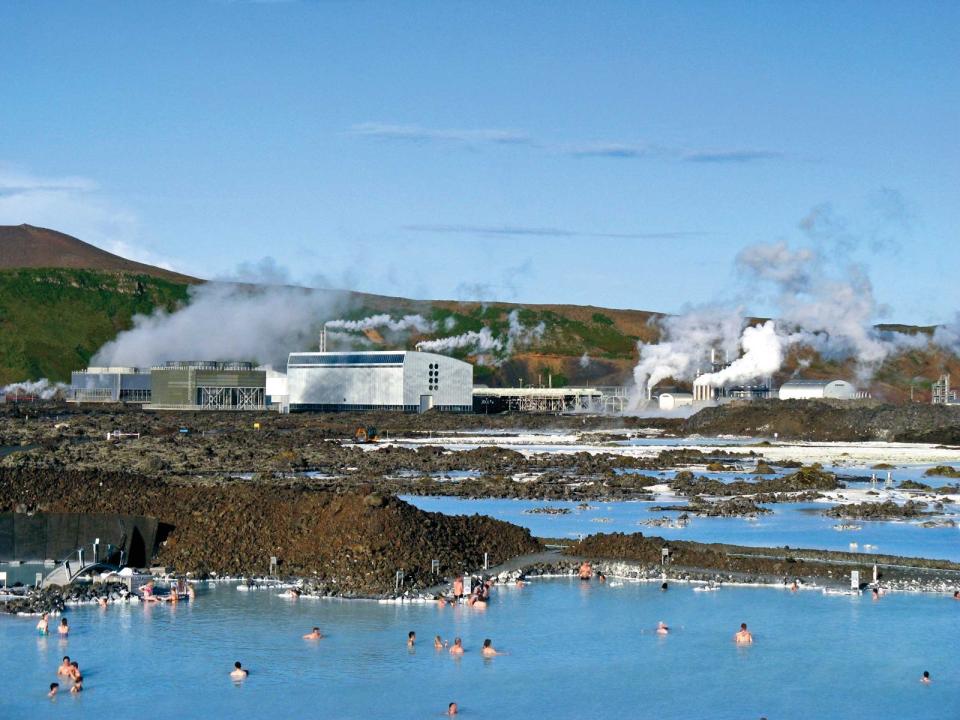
226	322
43	389
827	306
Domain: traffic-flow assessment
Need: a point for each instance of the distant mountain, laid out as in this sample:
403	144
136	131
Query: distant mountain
26	246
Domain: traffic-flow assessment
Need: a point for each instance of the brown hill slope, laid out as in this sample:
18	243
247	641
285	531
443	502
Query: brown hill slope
26	246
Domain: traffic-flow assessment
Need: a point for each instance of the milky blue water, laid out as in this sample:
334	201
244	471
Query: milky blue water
575	651
799	525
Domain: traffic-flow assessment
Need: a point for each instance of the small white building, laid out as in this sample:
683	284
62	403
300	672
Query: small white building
399	380
672	401
818	390
276	390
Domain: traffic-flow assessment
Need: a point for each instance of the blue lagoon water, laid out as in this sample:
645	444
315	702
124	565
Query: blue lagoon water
799	525
576	651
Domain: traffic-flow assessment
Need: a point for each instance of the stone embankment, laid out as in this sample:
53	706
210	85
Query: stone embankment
702	561
53	600
830	420
356	541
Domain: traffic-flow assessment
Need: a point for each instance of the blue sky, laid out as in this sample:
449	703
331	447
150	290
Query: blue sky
616	154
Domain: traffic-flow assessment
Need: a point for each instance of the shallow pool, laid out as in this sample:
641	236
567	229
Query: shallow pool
576	651
799	525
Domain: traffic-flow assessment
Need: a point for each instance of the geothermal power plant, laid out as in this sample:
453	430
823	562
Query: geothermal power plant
407	381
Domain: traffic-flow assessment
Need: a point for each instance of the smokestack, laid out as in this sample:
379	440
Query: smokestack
323	339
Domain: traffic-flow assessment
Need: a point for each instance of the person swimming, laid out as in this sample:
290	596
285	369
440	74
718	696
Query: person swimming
65	668
956	594
926	678
452	709
411	639
63	628
77	685
147	592
744	636
438	643
43	625
74	671
489	650
314	634
664	586
54	689
794	587
238	673
601	577
662	628
457	647
586	570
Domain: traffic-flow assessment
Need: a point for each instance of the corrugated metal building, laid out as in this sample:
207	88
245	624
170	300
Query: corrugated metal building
405	381
203	385
110	384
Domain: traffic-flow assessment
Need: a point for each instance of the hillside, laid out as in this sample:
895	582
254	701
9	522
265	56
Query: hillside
52	321
26	246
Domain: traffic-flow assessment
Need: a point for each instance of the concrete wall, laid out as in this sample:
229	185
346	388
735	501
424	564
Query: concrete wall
55	536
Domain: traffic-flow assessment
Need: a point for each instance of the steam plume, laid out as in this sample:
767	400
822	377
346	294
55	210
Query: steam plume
261	324
43	388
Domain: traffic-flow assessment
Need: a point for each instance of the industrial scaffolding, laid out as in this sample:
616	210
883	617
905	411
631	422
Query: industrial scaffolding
231	398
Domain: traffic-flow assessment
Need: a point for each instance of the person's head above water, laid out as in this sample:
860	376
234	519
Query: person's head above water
411	635
452	709
487	643
743	626
237	665
66	659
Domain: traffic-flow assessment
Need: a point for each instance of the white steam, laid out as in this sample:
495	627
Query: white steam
406	323
762	356
226	322
828	306
43	389
484	342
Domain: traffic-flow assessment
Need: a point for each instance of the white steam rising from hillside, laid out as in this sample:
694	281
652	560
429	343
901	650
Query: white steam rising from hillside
226	322
484	342
383	321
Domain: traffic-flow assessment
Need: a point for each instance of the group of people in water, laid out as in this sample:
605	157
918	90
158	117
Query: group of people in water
69	669
180	590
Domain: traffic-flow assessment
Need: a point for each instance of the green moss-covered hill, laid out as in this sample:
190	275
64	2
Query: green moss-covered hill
53	320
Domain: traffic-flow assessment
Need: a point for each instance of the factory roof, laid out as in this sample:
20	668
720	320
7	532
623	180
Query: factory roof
809	383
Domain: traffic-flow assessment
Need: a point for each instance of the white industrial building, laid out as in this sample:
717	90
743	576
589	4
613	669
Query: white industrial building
817	390
674	400
400	380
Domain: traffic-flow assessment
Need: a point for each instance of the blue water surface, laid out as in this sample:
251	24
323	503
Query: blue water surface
575	651
799	525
